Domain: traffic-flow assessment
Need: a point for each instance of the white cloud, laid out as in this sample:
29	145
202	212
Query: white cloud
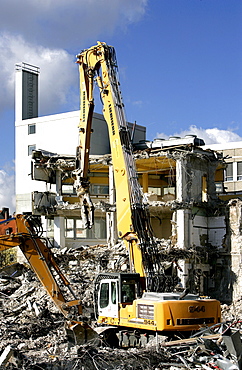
7	197
57	67
48	34
65	23
41	32
210	136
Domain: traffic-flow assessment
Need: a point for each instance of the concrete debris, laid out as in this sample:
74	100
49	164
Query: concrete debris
6	355
33	336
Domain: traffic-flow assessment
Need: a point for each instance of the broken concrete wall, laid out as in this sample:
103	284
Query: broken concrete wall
195	177
199	221
194	228
235	238
206	230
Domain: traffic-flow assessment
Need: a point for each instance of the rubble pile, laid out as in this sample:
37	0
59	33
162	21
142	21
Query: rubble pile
33	335
169	252
81	265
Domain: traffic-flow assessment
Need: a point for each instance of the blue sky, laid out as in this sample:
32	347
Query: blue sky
179	61
183	66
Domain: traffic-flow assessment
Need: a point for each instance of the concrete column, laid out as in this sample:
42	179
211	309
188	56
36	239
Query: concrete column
183	217
58	183
59	232
58	188
181	180
183	239
235	223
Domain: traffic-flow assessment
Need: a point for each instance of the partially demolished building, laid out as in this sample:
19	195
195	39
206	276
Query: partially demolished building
180	181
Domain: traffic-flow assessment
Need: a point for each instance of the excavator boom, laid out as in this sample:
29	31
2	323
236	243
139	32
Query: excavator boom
25	231
98	64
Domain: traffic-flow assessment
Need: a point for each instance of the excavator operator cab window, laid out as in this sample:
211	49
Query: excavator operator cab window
113	292
105	298
128	291
104	295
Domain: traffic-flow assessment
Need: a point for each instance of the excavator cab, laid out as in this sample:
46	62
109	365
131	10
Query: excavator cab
113	290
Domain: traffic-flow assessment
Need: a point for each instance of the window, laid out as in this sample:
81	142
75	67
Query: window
113	292
50	228
229	172
67	189
69	228
31	129
99	189
104	295
154	190
219	187
239	171
128	291
74	229
169	190
31	148
79	232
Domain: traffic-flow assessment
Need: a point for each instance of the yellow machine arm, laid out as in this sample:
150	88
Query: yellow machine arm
98	64
25	231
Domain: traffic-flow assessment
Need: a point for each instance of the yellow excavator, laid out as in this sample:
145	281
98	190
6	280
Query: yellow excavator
131	305
133	302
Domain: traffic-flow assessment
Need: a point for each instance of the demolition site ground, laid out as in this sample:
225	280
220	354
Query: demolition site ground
33	334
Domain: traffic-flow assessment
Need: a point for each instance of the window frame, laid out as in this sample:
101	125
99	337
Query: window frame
30	127
77	230
31	148
239	171
229	177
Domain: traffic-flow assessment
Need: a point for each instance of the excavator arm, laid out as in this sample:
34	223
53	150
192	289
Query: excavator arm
98	64
40	258
25	231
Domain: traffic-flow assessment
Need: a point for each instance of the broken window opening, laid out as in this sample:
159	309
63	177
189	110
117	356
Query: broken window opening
50	228
204	189
68	189
219	187
155	190
170	190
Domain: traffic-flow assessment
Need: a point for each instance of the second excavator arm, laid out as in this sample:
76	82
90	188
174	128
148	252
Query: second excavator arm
24	231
